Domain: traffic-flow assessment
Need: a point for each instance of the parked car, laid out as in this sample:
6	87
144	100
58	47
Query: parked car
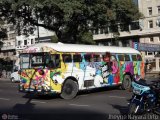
15	76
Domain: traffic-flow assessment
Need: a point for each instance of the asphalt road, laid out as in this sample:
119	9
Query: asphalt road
99	104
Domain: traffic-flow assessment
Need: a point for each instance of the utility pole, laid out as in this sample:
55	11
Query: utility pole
37	31
37	14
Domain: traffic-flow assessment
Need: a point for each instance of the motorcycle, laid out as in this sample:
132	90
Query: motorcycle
146	97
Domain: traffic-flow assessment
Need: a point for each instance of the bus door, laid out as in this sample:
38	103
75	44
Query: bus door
78	69
89	70
54	66
115	69
106	68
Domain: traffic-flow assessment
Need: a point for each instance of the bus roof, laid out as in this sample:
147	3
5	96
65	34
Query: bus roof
60	47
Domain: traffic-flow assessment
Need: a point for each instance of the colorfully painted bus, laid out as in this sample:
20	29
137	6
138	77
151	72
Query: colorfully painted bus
65	69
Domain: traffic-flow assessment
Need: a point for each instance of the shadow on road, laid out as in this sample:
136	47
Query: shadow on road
96	90
28	111
28	106
123	110
57	96
41	97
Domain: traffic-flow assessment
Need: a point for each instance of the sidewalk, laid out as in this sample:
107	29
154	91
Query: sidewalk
153	73
4	79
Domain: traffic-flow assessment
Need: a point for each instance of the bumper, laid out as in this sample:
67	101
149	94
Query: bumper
36	91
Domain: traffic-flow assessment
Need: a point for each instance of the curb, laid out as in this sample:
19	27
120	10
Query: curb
4	79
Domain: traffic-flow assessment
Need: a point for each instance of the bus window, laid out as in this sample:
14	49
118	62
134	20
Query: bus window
24	61
55	61
139	58
106	57
121	57
113	58
37	60
96	58
127	58
87	58
134	57
67	58
77	58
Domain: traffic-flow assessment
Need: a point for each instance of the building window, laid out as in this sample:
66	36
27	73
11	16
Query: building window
19	43
149	11
150	24
101	30
146	53
96	31
150	53
12	35
25	42
11	28
151	39
158	8
31	41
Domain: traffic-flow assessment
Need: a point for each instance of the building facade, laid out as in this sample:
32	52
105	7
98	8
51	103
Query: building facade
150	34
39	35
14	44
143	35
7	51
8	48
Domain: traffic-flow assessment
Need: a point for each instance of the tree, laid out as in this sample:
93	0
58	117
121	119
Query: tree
69	19
54	39
2	32
122	12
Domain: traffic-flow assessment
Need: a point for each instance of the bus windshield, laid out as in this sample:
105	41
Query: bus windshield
37	60
24	61
31	60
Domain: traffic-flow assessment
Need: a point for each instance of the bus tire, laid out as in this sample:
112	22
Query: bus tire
126	83
69	89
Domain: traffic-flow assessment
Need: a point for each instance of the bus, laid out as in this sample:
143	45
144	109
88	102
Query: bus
65	69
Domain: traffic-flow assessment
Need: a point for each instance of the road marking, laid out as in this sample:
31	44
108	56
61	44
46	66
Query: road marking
14	86
37	101
83	95
79	105
4	99
117	97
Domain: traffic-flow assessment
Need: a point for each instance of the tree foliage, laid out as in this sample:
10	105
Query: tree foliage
3	33
69	19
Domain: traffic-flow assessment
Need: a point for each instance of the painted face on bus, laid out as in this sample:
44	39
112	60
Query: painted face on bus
106	58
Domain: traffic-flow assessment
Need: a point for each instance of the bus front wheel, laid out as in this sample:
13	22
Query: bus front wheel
69	89
126	83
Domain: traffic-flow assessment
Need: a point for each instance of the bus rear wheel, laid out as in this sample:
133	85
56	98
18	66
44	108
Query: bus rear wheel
126	83
69	89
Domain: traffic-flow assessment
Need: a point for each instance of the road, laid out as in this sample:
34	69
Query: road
99	104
